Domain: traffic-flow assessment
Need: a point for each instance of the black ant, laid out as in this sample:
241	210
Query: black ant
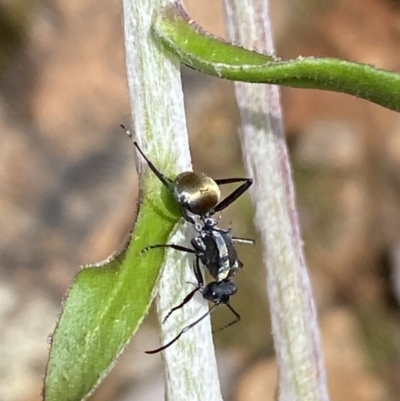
214	247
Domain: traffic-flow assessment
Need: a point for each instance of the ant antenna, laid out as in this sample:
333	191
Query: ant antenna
237	319
183	303
183	331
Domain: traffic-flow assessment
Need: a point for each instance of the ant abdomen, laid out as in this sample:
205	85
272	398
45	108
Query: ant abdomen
197	193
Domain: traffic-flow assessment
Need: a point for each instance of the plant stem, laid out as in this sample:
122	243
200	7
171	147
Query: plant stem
293	315
160	127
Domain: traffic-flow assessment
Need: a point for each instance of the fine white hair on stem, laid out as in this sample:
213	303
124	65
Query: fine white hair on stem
159	126
293	314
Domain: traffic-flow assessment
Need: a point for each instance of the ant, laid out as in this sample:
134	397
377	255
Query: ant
214	247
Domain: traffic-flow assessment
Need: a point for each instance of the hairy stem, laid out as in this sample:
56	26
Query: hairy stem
160	127
293	315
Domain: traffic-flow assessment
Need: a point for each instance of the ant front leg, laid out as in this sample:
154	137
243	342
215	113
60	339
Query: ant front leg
235	194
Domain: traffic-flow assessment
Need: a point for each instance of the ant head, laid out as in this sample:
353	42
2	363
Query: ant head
219	292
197	193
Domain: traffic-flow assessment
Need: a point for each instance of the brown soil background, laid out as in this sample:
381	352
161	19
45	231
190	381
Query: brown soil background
69	188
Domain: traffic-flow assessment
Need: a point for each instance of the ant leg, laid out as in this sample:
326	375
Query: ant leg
185	214
127	132
173	246
197	272
224	181
237	319
184	330
235	194
165	180
244	241
239	240
168	183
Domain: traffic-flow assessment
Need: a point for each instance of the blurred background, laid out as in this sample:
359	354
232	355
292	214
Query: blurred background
69	191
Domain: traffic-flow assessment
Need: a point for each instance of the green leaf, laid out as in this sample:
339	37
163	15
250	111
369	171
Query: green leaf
106	304
213	56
